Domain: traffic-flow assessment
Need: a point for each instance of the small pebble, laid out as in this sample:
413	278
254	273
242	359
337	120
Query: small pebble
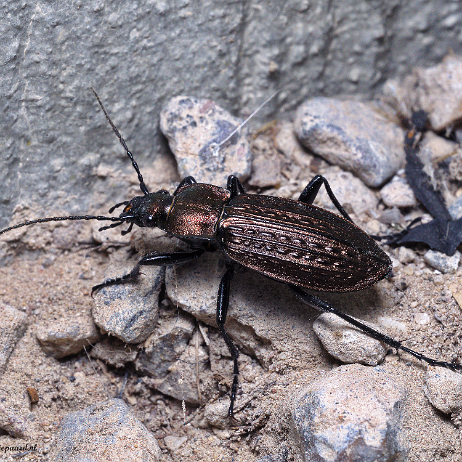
173	443
114	352
444	389
183	379
350	192
442	262
287	142
216	414
266	166
347	343
163	348
456	209
11	421
422	318
398	193
405	255
66	337
391	216
434	148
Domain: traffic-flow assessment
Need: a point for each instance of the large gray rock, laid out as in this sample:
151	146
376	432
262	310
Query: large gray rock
351	413
206	140
352	135
104	431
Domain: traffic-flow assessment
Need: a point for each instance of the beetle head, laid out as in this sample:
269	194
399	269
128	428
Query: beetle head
149	211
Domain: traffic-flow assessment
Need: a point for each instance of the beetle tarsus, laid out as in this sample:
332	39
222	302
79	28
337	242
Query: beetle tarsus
118	205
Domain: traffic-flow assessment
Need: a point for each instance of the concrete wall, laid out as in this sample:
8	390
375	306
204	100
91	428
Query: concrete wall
139	54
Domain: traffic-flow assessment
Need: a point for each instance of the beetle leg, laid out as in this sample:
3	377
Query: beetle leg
234	186
310	192
154	259
186	181
222	310
321	305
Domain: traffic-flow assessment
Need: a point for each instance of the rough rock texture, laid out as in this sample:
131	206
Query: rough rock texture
444	389
439	92
114	352
350	191
138	54
398	193
105	431
67	336
346	343
436	90
12	328
334	423
200	135
352	135
129	311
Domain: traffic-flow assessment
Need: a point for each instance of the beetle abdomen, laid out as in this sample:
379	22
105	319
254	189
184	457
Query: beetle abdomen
300	244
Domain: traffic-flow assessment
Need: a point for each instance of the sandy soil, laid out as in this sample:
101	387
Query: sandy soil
50	284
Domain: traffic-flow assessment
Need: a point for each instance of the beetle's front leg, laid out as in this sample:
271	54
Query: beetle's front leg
311	190
222	311
153	259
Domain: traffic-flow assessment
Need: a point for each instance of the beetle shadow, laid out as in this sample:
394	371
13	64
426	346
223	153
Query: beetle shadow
258	289
365	304
264	315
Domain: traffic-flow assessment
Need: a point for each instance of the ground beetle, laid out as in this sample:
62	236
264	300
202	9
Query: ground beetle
291	241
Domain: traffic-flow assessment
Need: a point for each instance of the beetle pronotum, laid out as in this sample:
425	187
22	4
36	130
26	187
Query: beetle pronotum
291	241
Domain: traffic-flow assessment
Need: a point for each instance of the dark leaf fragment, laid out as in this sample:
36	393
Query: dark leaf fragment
443	233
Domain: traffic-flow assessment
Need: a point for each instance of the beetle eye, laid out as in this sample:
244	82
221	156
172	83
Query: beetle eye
150	220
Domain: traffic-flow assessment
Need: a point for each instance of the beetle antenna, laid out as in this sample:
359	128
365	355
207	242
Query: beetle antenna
72	217
221	143
143	187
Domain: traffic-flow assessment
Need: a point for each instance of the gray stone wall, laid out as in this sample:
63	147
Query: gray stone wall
139	54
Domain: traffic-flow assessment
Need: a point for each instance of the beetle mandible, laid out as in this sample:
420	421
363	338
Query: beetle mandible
291	241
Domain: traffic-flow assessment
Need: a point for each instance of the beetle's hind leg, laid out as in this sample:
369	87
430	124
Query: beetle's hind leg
321	305
222	311
311	190
152	259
